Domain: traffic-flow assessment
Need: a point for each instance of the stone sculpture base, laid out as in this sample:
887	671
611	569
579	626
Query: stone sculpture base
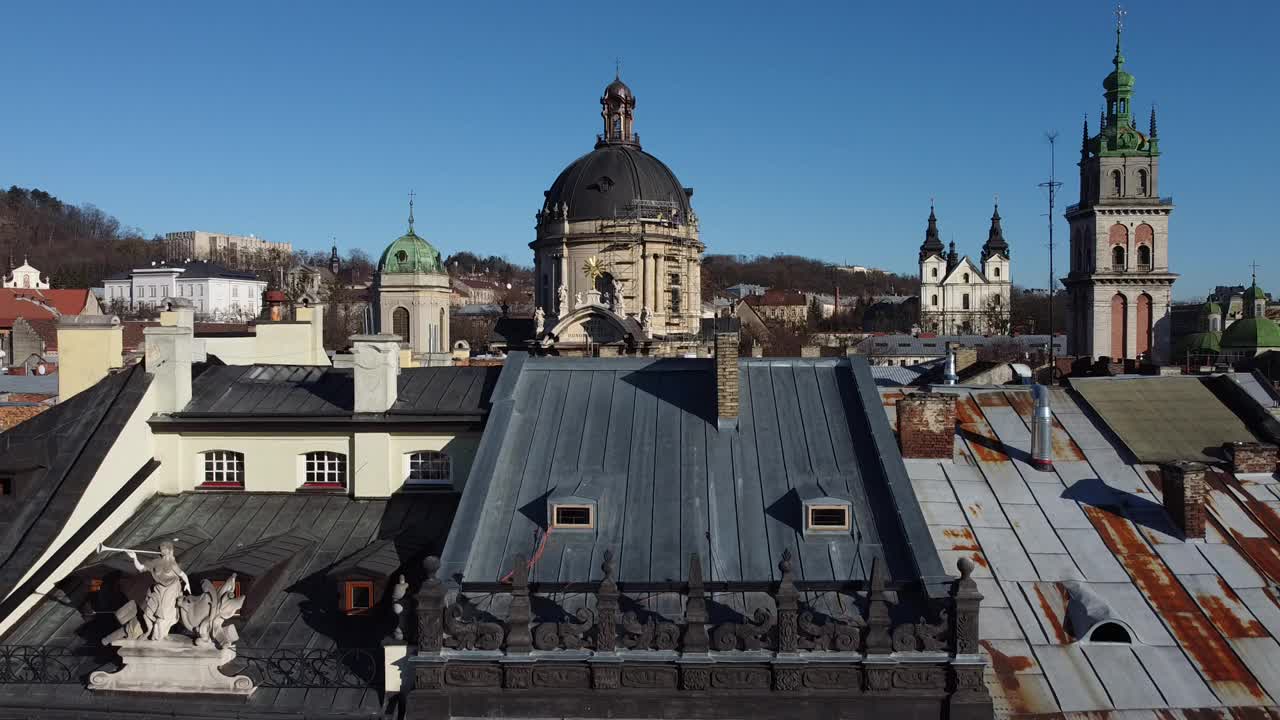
174	665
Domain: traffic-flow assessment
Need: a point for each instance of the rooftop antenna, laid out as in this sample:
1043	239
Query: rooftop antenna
1052	184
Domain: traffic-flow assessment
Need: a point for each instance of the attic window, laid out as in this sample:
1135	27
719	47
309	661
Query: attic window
572	516
1110	632
822	518
358	596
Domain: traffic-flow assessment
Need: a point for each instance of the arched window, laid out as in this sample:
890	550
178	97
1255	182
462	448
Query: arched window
1119	329
223	468
1143	329
1144	257
429	467
1116	185
1117	258
933	272
1142	183
997	272
933	300
326	470
400	323
966	277
964	301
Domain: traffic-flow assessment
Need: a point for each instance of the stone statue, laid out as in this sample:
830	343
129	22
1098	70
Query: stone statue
539	318
577	300
160	611
618	302
646	321
562	304
153	660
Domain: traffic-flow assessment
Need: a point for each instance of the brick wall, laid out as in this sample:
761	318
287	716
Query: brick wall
927	425
1252	457
1185	488
727	377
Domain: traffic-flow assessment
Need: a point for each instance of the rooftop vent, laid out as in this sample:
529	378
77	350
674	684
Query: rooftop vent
824	515
572	513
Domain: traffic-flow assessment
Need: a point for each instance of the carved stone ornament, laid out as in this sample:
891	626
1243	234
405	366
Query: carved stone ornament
837	678
786	679
754	634
562	676
652	634
462	633
429	677
566	635
842	634
919	678
171	666
649	678
518	677
740	678
469	675
920	635
606	678
695	678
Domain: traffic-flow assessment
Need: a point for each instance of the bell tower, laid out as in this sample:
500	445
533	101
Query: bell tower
1119	285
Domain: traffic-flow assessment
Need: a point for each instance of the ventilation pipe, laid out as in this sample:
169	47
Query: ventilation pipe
1042	430
949	375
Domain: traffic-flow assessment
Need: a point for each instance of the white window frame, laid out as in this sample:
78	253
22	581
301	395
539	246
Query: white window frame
324	469
416	462
222	468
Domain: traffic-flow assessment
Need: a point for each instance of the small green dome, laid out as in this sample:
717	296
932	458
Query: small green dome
1251	333
1211	308
410	254
1255	293
1201	343
1117	80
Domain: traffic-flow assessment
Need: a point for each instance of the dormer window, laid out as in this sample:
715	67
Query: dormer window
324	470
357	596
573	516
823	518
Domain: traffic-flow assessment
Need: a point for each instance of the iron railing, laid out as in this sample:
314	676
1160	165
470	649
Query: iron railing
45	665
309	667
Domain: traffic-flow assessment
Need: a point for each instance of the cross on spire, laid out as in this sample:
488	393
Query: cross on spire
617	68
411	196
1120	13
1254	266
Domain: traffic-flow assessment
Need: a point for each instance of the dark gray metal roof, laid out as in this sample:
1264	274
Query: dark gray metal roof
297	610
911	345
602	183
307	391
55	456
641	437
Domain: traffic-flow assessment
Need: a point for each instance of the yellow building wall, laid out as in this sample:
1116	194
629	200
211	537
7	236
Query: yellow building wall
273	344
376	462
85	355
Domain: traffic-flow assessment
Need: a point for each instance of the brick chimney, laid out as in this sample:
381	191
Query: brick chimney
1185	488
727	380
168	361
1251	457
376	359
927	426
89	347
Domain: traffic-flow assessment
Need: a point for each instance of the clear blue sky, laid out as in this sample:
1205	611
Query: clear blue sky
805	128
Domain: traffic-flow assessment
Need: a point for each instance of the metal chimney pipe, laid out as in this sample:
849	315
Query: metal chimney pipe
1042	430
949	375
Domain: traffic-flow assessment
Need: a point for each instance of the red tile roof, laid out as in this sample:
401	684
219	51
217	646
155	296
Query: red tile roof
11	415
47	329
40	304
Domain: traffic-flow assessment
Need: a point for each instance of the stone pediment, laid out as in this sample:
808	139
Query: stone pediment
956	276
592	323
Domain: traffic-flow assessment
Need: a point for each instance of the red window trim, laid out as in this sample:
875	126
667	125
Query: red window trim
220	486
347	596
324	486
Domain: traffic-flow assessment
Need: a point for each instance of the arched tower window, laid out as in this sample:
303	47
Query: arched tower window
1143	329
1116	183
400	323
1144	257
933	272
1119	315
933	300
1143	188
966	277
1117	258
1145	236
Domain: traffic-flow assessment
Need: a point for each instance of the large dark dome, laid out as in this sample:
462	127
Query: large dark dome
602	183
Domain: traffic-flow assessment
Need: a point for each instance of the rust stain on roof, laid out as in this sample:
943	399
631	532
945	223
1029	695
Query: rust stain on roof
1262	553
991	399
961	539
1051	613
1189	625
1224	611
980	559
1006	669
974	429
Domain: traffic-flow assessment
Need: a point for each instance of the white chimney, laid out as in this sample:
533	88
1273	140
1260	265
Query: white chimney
168	360
376	359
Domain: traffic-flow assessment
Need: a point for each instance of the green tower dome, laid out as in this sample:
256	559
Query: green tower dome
410	254
1201	343
1255	293
1211	308
1251	333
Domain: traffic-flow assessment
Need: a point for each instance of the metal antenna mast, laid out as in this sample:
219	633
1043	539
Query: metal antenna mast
1052	184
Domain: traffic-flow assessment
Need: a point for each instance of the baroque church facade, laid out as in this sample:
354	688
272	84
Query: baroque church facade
959	296
1119	285
617	258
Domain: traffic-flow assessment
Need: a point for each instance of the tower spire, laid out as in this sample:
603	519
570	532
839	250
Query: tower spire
995	243
411	194
932	244
1118	60
1151	133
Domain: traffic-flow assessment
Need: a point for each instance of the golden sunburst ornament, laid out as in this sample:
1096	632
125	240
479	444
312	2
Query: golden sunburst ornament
593	268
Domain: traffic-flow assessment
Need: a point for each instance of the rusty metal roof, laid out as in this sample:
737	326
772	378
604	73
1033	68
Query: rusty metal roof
1202	618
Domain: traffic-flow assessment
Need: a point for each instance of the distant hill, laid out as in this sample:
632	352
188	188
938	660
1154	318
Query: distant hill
76	245
793	272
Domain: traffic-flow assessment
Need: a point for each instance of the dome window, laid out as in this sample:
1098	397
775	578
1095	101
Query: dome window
402	256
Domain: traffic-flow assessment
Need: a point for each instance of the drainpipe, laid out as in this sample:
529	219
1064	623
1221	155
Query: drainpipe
949	376
1042	430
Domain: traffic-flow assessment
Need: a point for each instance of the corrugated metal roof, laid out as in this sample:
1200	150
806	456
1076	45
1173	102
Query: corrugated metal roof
1205	616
